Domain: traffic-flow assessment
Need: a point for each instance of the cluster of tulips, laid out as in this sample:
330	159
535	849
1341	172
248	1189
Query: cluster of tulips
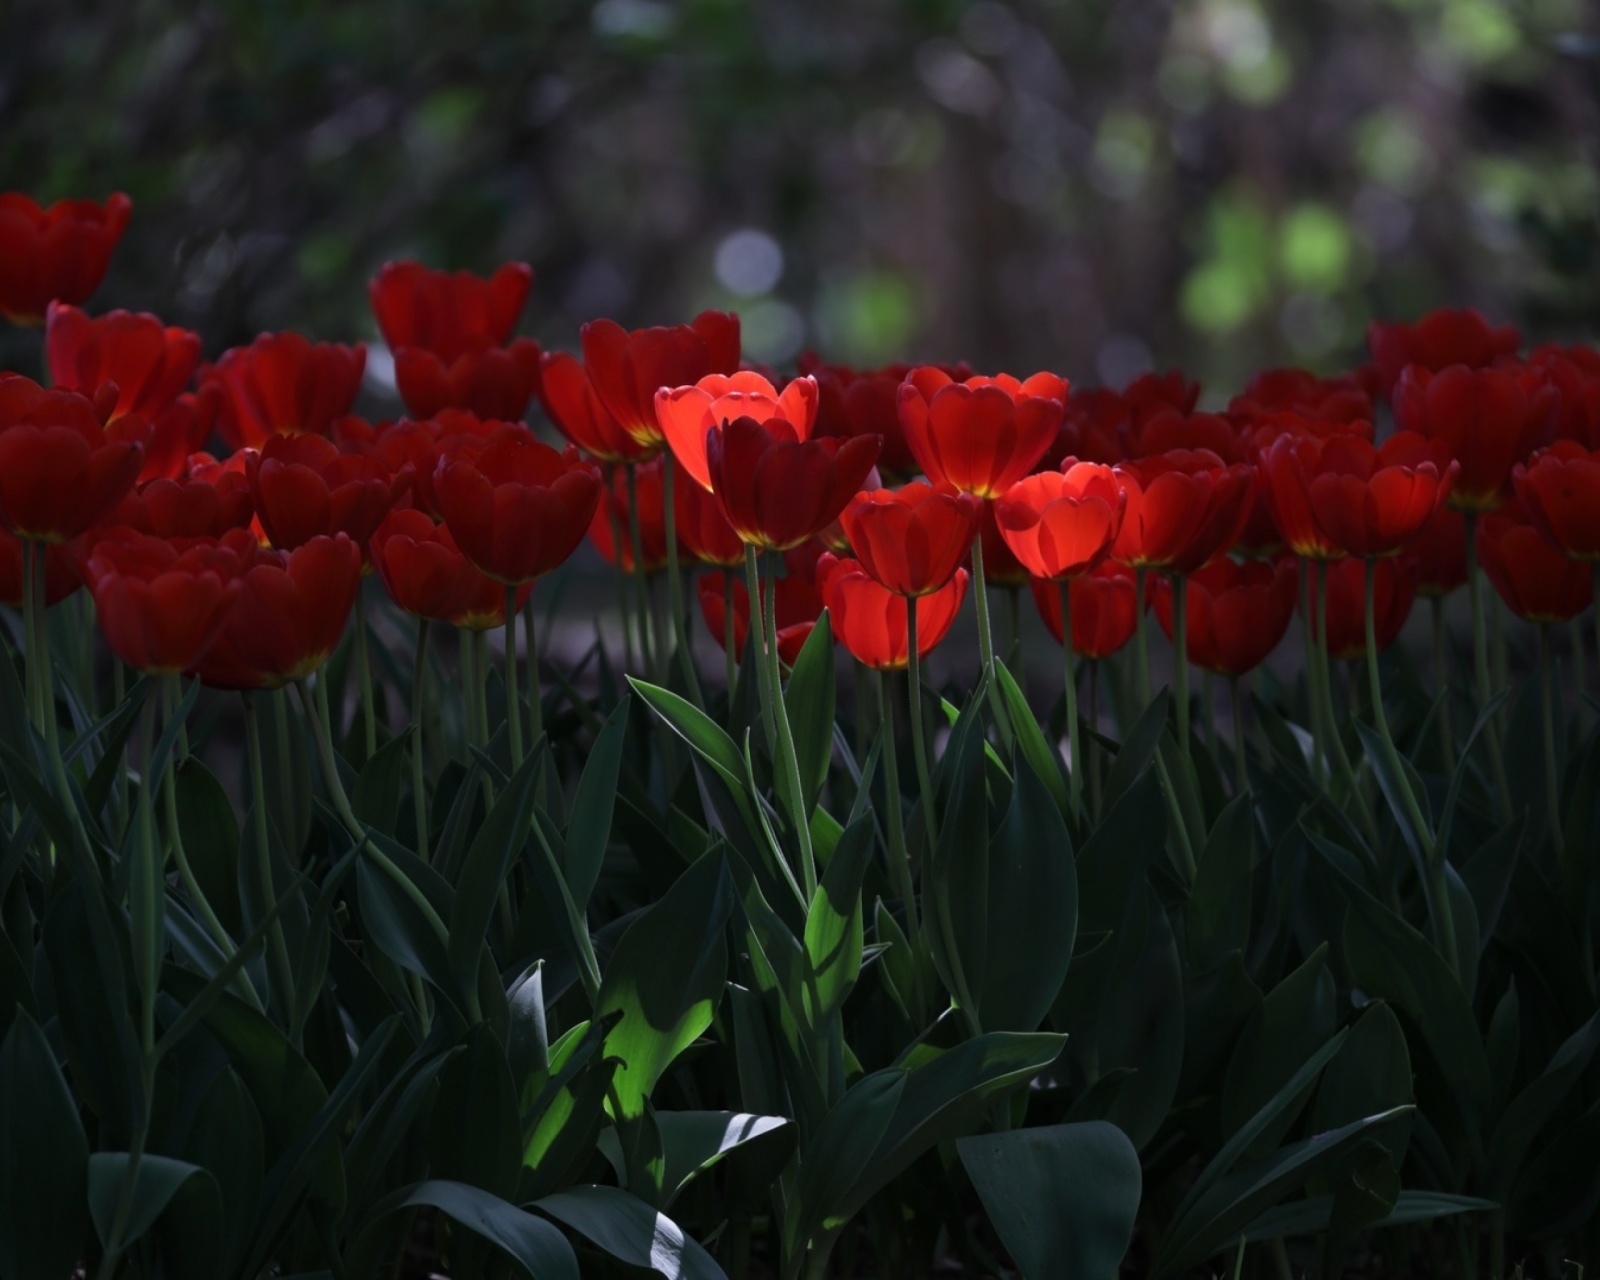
243	568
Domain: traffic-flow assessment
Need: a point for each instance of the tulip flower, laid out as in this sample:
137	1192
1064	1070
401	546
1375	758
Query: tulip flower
1437	341
180	429
159	605
1237	612
149	363
1559	489
1105	610
870	620
55	254
686	414
1440	553
864	402
1395	594
627	369
570	401
448	313
1574	373
427	576
1488	419
981	435
1537	581
304	487
1345	397
1167	430
645	499
1061	524
703	531
1184	509
188	507
284	384
797	606
495	382
1370	501
912	539
1092	428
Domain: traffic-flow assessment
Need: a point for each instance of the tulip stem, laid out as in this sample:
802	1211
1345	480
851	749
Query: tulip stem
419	775
1070	685
986	644
648	646
1432	856
1141	644
146	890
37	635
480	695
1019	669
31	570
1180	656
369	710
535	690
752	576
899	856
1579	645
1441	675
623	611
1552	789
919	746
789	758
1480	666
1311	612
680	631
513	694
1338	757
277	944
1580	665
730	647
1241	775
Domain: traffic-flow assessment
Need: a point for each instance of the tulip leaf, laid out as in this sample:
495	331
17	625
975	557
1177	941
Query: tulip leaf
809	701
1217	914
1531	1109
1063	1198
468	1137
158	1182
1311	1216
538	1249
592	806
493	849
380	784
694	1141
631	1231
1138	748
699	730
834	932
1031	743
840	1150
226	1140
211	839
1370	1073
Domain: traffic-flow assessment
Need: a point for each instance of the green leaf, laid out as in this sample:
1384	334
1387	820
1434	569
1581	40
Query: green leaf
157	1180
1113	859
1031	743
956	880
1217	914
1063	1198
538	1249
380	784
226	1141
1370	1073
491	854
43	1158
809	702
1367	1193
1530	1110
392	923
699	730
838	1152
631	1231
1395	787
694	1141
834	935
666	978
469	1139
592	806
1311	1216
210	839
1138	749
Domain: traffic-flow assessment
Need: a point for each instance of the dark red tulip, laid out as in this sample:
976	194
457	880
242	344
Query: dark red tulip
1167	429
914	538
612	512
703	531
777	491
796	608
188	507
496	382
981	435
1370	501
865	403
1537	581
1151	393
448	313
1559	490
1394	592
1574	373
289	616
177	431
1237	612
1105	609
426	575
1287	457
159	604
1437	341
1440	553
1488	419
686	414
418	445
284	384
1185	508
627	369
517	508
870	621
304	488
1092	430
1061	524
1342	398
570	401
61	471
61	572
56	254
149	363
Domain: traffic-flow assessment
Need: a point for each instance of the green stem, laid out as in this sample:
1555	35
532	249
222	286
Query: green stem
32	556
277	944
480	695
419	766
752	576
675	581
369	710
535	691
1180	656
1070	684
730	647
790	759
119	790
1596	609
1480	667
623	611
1018	668
649	644
1141	643
147	890
899	857
1314	576
1580	663
1334	739
1241	776
919	745
1547	706
513	694
1441	677
980	591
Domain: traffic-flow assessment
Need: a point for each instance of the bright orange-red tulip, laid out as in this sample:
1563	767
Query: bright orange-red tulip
1185	508
914	538
870	621
627	369
686	414
981	435
570	401
1105	609
1061	524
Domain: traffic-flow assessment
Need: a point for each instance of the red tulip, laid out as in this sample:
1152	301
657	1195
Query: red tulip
865	403
981	435
870	620
686	414
149	363
1283	463
628	368
289	616
796	608
1092	429
188	507
1488	419
703	531
1342	398
1574	373
1437	341
1000	567
570	401
304	488
1105	609
426	575
1167	429
517	508
496	382
61	574
1560	492
448	313
1370	501
60	470
419	445
1440	553
177	431
1185	508
284	384
777	490
161	605
1537	581
912	539
1061	524
1237	612
613	512
58	254
1394	592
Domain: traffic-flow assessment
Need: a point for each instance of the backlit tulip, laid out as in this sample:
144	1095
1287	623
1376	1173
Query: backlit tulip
161	605
1538	582
448	313
1168	429
1395	591
54	254
284	384
1105	609
1559	490
869	620
796	608
703	531
60	470
1371	501
1185	508
627	369
517	508
149	363
570	401
914	538
1060	525
1437	341
1237	612
612	516
687	413
425	573
1001	568
776	490
864	402
981	435
304	487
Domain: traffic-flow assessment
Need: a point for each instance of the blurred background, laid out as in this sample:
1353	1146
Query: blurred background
1092	186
